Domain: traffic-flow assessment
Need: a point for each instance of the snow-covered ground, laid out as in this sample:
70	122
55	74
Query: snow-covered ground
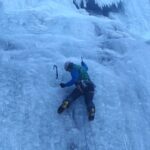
35	35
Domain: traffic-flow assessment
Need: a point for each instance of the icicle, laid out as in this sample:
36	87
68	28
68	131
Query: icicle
107	3
84	3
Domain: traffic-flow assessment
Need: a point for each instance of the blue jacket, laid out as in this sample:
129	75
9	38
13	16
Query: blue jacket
75	74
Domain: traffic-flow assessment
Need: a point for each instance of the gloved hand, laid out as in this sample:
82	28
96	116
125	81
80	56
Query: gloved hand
62	85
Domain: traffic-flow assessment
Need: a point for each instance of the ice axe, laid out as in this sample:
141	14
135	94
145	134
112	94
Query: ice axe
55	67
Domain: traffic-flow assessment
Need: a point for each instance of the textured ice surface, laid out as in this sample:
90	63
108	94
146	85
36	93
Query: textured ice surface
35	35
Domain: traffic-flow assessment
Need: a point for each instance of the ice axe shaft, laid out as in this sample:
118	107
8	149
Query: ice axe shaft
55	67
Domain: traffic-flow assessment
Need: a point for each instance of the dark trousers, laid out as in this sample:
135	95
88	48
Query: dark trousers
87	92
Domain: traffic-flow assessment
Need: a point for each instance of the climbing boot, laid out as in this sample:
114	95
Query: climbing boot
63	106
91	114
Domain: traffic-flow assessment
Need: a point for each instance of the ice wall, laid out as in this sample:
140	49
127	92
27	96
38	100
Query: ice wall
17	5
136	16
35	35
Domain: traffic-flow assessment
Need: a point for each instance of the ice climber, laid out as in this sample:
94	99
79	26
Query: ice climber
83	87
